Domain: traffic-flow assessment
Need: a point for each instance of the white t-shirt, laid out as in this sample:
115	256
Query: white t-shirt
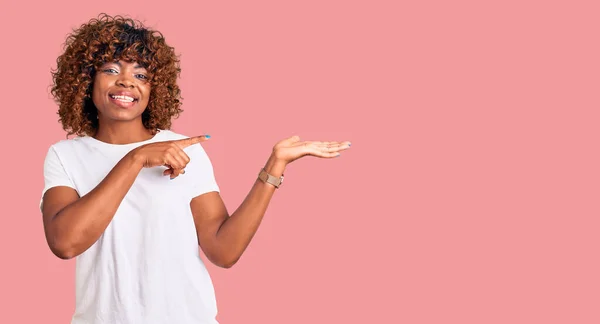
146	267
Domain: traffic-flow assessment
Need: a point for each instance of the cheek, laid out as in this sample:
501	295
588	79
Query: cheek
97	90
145	92
96	96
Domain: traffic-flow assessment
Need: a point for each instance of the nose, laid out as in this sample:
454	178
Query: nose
125	81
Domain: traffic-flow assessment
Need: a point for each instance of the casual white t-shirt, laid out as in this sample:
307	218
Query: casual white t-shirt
146	267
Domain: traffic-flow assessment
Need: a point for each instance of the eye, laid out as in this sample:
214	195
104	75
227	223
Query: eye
142	76
110	70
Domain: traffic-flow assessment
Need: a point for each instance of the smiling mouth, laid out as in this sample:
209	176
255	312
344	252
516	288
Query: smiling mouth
125	99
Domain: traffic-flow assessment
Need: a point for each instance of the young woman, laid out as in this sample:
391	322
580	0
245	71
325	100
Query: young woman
133	200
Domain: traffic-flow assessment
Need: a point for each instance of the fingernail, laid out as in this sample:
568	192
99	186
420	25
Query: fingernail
207	136
171	178
349	144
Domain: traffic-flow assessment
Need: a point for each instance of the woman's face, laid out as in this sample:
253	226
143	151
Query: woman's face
121	91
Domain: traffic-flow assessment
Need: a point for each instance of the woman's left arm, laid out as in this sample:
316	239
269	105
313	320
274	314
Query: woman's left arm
223	238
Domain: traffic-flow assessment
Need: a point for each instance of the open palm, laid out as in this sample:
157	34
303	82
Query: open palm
291	149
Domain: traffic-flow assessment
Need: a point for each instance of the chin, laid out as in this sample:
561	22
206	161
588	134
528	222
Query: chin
123	116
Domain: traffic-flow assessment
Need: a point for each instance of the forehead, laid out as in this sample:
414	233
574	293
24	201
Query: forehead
123	63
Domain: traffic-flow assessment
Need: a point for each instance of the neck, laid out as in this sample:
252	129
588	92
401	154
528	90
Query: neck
122	133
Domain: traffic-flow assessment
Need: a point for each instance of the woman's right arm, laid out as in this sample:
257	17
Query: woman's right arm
72	223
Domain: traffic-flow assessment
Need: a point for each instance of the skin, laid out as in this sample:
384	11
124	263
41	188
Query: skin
72	224
118	125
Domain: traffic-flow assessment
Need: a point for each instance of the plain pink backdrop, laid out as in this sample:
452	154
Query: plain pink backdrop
470	194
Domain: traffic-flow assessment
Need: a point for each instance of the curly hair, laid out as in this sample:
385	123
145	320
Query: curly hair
107	39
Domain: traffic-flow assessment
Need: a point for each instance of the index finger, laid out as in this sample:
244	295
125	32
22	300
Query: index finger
192	140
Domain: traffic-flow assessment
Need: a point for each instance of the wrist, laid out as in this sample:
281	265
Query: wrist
275	166
136	159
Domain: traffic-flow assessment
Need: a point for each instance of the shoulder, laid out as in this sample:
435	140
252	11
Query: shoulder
60	157
67	145
169	135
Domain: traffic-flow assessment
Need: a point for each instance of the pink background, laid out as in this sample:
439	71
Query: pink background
470	194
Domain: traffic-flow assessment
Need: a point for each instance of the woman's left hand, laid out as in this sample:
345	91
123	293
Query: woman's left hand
291	149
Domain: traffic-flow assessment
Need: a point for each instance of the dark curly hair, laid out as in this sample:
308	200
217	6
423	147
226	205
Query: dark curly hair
107	39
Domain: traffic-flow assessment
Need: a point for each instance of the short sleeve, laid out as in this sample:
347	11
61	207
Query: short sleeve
200	170
54	173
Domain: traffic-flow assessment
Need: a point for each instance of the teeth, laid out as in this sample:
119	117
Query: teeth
123	98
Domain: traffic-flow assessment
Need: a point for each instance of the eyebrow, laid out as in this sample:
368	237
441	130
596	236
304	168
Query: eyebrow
137	65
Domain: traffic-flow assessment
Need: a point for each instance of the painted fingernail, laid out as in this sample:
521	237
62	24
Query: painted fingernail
207	136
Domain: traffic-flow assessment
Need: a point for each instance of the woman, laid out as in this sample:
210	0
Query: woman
131	199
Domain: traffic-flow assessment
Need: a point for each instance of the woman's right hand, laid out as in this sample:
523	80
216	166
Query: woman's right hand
168	153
